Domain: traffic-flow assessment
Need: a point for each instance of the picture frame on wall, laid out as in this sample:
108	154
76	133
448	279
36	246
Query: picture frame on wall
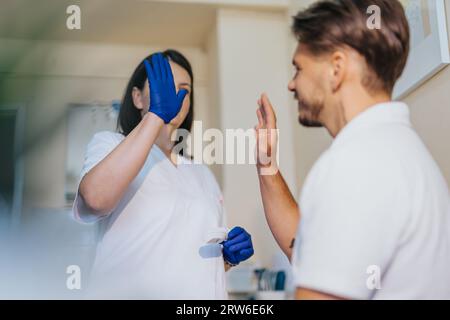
429	52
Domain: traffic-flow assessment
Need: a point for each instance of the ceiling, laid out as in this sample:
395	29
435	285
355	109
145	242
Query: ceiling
131	22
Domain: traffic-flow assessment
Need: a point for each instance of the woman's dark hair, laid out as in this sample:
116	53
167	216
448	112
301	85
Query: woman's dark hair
129	115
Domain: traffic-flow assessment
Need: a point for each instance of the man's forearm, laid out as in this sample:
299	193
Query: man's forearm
281	210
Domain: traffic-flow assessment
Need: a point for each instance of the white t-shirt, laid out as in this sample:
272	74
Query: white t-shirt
375	201
153	242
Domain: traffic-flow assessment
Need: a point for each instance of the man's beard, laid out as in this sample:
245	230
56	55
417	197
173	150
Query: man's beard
309	114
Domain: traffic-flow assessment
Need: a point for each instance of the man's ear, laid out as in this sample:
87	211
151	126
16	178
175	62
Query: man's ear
338	69
137	98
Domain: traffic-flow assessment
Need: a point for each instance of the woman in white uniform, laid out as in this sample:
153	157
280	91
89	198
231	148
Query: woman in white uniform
158	210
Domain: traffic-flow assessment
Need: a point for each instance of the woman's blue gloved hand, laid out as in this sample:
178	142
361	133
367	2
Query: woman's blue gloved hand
164	100
238	247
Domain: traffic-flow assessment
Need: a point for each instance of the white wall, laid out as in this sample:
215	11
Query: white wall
213	111
252	51
430	113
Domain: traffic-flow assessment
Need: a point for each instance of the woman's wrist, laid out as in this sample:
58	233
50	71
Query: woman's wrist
153	119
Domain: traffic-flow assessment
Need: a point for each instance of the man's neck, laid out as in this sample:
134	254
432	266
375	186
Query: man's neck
349	107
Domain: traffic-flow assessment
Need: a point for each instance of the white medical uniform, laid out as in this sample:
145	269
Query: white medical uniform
374	207
152	242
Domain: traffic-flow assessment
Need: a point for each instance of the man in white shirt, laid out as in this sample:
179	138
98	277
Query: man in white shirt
373	220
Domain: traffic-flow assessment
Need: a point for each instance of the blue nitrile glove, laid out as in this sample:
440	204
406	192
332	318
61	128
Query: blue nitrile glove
164	100
238	247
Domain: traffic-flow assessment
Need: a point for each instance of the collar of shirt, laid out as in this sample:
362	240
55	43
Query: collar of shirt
377	115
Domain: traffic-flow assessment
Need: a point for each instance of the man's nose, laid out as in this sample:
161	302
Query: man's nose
291	85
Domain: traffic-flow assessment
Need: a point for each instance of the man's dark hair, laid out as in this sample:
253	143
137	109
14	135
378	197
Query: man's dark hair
330	24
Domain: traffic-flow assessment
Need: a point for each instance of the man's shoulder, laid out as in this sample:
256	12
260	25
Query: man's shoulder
355	158
382	148
368	160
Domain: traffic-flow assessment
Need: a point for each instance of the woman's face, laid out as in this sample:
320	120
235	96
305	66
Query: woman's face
182	80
